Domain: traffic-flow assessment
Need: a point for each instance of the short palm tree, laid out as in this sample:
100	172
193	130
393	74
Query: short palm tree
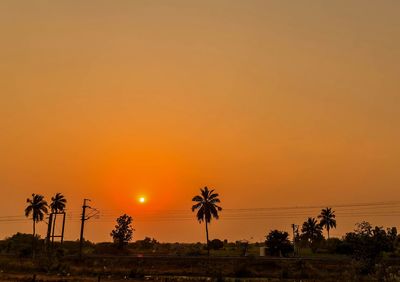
57	205
37	208
207	208
327	219
311	230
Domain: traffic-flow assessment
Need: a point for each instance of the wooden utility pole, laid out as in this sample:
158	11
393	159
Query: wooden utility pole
295	230
83	219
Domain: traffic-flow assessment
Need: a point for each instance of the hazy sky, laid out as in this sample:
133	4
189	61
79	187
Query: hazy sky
272	103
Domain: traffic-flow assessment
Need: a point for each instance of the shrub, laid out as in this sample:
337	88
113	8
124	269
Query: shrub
216	244
278	243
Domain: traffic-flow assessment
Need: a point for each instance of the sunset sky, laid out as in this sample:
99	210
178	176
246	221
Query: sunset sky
271	103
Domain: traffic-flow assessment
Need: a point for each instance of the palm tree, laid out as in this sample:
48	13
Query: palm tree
207	208
57	205
311	231
37	207
327	219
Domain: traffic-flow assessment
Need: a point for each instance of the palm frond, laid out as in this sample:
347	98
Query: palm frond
196	206
206	204
197	199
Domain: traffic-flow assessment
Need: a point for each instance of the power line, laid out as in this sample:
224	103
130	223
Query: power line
378	209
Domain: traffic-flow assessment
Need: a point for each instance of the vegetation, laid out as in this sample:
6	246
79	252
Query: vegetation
37	208
278	243
311	233
207	208
123	231
366	250
366	244
337	259
148	257
216	244
327	219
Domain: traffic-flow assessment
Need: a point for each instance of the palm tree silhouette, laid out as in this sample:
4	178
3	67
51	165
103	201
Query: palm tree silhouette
37	207
311	230
207	208
57	205
327	219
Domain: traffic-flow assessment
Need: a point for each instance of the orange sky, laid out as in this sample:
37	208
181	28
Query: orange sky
272	103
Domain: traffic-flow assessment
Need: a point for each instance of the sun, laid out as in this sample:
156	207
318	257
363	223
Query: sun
142	200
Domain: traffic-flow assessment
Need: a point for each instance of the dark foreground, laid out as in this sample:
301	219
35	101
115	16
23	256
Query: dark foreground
117	268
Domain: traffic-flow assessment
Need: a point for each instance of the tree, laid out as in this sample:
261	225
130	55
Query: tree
123	231
327	219
367	243
278	243
207	208
311	233
57	205
37	207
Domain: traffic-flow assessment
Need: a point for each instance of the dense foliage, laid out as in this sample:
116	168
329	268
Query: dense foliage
216	244
278	243
366	244
123	231
311	233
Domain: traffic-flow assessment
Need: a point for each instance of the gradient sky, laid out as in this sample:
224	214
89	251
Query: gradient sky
272	103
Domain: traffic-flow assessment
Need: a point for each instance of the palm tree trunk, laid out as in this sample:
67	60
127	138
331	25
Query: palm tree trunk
328	231
33	239
208	245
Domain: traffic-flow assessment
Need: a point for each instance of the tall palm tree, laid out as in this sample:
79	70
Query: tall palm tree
207	208
37	207
327	219
57	205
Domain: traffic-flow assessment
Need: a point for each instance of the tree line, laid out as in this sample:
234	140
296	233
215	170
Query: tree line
365	244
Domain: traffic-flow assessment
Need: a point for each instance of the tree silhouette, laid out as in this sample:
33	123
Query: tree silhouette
327	219
37	207
123	231
311	232
57	205
207	208
278	243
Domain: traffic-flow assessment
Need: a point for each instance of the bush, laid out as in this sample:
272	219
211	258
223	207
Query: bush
278	243
332	245
20	244
216	244
145	244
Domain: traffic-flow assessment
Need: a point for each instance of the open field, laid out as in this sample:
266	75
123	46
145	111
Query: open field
170	268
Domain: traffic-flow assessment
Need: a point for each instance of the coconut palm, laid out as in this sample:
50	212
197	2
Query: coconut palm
207	208
311	231
57	205
327	219
37	208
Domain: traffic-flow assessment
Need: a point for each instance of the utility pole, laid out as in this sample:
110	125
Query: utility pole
92	213
295	230
83	219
